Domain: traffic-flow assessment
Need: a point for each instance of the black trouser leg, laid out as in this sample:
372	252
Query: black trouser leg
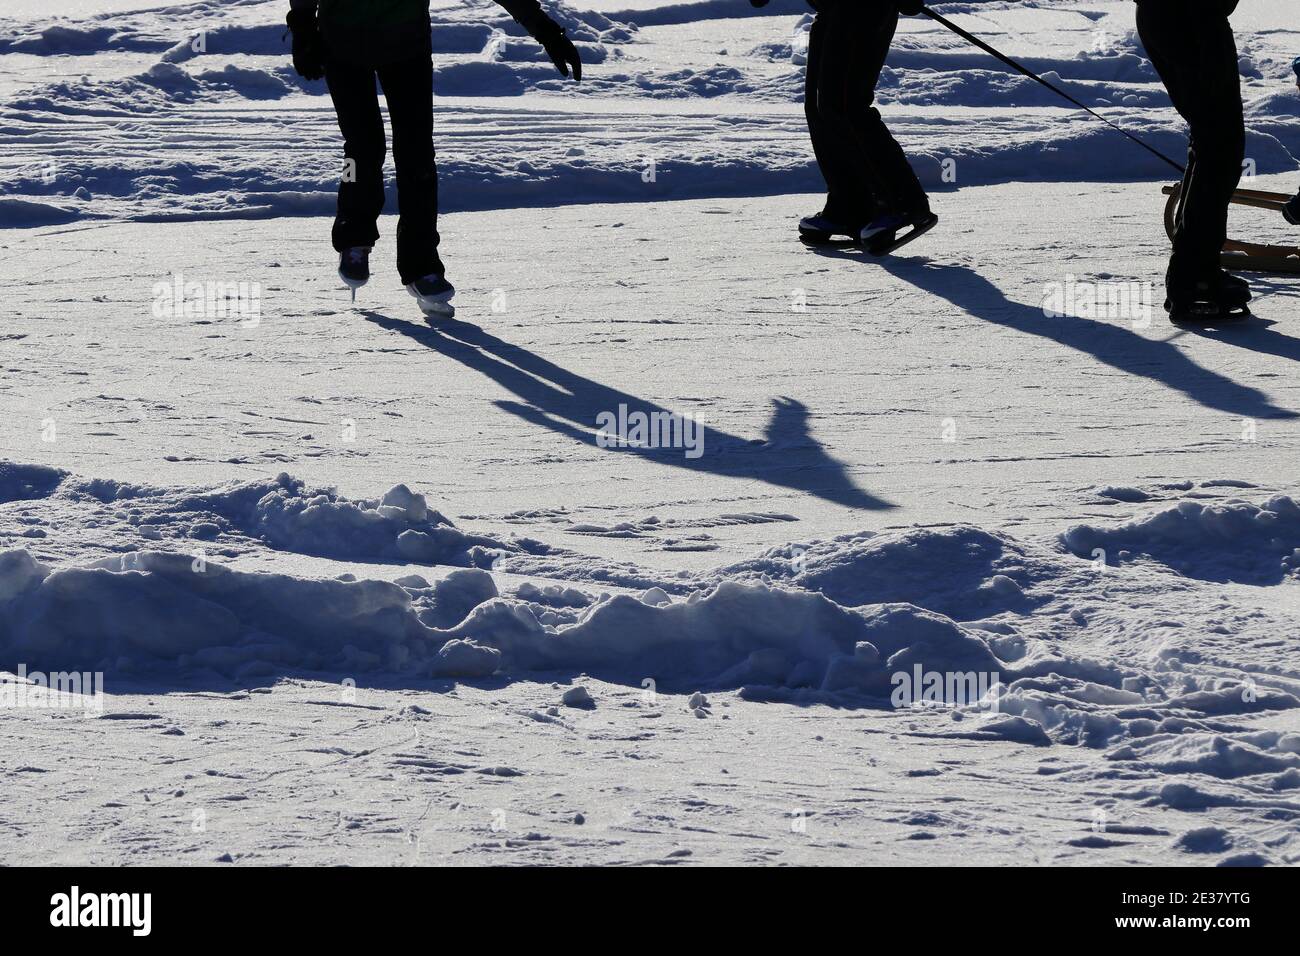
1193	49
408	89
849	197
361	189
863	162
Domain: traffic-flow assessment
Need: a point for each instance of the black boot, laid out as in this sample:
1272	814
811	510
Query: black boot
354	266
1211	299
827	228
881	235
1234	288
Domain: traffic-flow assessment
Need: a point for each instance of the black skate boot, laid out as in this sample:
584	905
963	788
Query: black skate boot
1292	210
1213	300
881	236
434	294
354	268
1234	288
825	229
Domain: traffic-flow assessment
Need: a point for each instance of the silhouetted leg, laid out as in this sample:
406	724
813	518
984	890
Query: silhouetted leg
849	198
858	39
895	181
408	89
1195	53
361	188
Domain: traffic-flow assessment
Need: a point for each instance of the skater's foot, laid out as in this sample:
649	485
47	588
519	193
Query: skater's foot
1216	300
1292	210
434	294
884	223
1234	288
827	228
881	235
354	268
1207	314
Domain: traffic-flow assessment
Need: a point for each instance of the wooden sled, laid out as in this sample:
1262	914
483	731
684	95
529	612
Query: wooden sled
1246	256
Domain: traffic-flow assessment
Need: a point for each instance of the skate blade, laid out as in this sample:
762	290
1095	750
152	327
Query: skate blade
353	284
1208	314
883	247
437	311
880	246
836	240
435	306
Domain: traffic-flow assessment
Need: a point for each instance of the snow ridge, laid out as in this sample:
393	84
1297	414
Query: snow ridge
828	620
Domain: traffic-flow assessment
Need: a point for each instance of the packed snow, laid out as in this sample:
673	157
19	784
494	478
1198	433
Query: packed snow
953	578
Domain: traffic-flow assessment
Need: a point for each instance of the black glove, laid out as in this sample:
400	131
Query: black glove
308	47
910	7
558	47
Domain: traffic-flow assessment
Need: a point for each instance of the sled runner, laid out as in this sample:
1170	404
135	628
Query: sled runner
1245	256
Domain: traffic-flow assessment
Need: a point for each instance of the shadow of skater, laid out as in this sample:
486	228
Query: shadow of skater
1255	335
554	398
1108	342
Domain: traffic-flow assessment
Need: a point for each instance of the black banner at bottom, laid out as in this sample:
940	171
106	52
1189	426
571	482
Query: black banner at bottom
335	906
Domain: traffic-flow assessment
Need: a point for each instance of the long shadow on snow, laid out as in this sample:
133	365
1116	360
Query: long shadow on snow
567	403
1109	343
1256	336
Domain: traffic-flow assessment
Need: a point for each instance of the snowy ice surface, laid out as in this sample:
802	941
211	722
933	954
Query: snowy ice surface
190	111
365	590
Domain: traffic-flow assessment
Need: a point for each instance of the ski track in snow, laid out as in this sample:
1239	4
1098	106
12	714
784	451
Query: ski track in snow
906	464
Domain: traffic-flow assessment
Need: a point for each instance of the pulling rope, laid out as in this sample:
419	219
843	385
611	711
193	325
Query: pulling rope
971	38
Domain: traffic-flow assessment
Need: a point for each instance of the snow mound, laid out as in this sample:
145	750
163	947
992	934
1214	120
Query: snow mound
397	526
137	611
24	482
15	213
1205	840
1230	541
1216	755
738	633
952	570
249	83
1017	730
161	612
855	620
60	40
281	512
1123	493
1095	714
